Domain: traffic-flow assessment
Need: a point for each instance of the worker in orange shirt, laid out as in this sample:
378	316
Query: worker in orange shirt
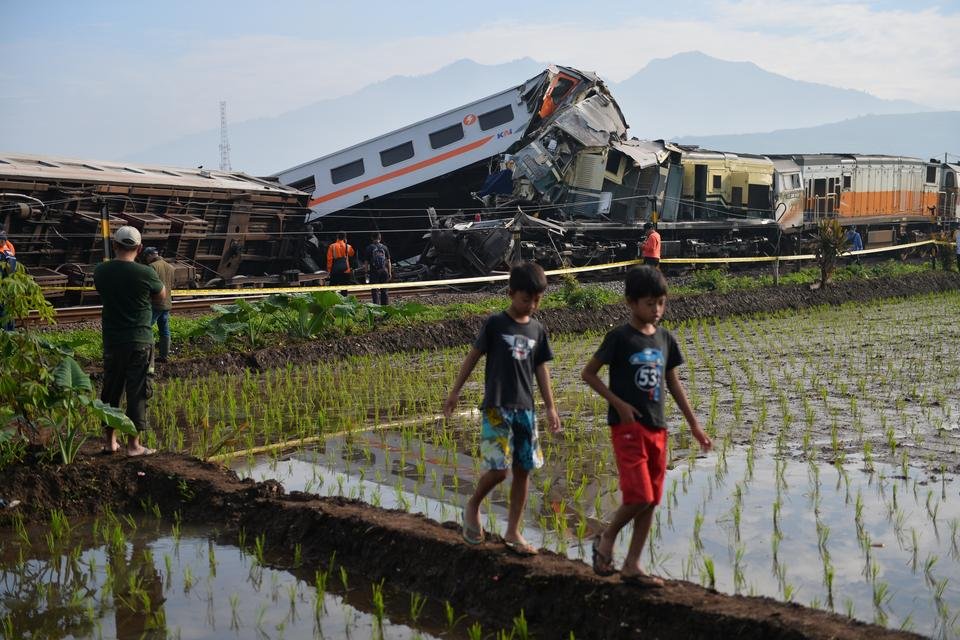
5	245
338	260
650	251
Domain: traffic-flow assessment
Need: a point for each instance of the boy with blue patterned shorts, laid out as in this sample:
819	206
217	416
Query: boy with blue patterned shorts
517	350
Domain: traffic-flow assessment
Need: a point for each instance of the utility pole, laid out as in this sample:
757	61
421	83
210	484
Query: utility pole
224	142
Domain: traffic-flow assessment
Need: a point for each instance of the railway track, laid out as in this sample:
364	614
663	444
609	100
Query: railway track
91	313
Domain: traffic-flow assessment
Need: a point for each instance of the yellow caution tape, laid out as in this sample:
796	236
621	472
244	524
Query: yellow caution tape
240	293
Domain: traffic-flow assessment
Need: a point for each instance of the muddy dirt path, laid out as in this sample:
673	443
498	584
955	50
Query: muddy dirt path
412	553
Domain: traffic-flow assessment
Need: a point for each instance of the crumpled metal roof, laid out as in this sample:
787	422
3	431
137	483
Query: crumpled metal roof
644	153
592	121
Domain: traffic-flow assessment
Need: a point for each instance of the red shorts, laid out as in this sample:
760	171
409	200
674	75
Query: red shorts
641	454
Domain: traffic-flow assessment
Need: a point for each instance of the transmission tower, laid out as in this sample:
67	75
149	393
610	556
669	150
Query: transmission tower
224	142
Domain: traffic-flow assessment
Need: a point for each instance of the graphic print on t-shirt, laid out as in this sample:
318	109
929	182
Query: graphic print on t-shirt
520	346
649	373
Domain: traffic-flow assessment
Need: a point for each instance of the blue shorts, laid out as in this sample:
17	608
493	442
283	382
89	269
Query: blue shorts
509	438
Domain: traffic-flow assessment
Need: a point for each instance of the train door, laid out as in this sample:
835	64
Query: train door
672	193
820	196
699	188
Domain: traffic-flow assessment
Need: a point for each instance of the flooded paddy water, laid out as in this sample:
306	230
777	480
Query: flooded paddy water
126	578
832	483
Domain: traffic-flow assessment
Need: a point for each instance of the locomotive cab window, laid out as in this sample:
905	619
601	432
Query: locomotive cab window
931	174
347	171
847	181
443	137
495	118
716	182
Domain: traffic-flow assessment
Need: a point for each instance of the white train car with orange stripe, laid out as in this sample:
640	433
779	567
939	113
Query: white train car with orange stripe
430	148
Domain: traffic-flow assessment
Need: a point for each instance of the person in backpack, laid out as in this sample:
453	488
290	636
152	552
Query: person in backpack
379	268
338	260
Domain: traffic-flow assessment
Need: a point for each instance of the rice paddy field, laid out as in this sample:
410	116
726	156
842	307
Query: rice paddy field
832	482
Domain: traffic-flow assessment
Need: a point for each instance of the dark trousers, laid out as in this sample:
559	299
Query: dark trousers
379	295
125	371
651	262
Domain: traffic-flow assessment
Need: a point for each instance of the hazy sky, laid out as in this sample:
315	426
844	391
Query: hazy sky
105	79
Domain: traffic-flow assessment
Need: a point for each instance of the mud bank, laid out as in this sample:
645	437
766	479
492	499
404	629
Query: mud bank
412	553
560	321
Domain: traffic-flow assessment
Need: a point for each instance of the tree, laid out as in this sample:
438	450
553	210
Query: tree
831	242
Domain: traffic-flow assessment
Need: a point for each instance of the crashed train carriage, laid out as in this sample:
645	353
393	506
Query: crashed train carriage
214	227
555	148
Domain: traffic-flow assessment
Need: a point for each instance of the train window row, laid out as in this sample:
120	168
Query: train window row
438	139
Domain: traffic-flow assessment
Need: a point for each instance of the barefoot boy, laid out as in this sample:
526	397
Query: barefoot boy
642	357
517	349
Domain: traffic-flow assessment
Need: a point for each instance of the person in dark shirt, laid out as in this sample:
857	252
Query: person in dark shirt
379	268
855	242
127	290
517	351
643	359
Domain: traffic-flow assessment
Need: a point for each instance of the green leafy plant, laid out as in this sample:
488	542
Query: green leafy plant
44	394
576	296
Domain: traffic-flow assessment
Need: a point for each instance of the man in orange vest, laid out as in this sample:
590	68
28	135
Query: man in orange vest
650	251
338	260
5	245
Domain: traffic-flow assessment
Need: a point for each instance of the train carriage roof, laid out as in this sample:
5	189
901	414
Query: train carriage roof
22	166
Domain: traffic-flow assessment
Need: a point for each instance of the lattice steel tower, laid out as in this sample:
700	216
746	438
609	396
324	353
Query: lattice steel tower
224	142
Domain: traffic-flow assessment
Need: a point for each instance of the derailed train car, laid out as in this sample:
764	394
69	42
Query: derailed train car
545	170
213	226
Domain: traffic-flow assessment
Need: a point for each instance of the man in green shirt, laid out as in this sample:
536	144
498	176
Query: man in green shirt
127	290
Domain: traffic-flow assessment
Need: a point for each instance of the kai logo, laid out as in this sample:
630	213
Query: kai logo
504	133
469	119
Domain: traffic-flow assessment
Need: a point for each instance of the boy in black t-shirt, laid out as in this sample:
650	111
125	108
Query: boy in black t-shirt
517	350
643	360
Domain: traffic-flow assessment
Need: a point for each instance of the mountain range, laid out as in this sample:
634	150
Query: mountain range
690	98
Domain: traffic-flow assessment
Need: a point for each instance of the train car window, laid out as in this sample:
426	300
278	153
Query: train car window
847	181
307	185
396	154
716	182
495	118
443	137
931	174
347	171
736	196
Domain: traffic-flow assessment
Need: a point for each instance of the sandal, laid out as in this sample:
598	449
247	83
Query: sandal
602	564
522	549
469	534
642	580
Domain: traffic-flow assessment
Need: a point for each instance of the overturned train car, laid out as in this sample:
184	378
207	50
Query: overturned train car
215	227
546	170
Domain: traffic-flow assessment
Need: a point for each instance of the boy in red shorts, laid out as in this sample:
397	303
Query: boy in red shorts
643	359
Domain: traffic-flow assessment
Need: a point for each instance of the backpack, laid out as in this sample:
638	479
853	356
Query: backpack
378	258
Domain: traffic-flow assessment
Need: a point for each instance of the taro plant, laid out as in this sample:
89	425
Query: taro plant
44	394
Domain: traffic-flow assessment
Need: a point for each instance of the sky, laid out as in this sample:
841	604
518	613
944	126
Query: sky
102	80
